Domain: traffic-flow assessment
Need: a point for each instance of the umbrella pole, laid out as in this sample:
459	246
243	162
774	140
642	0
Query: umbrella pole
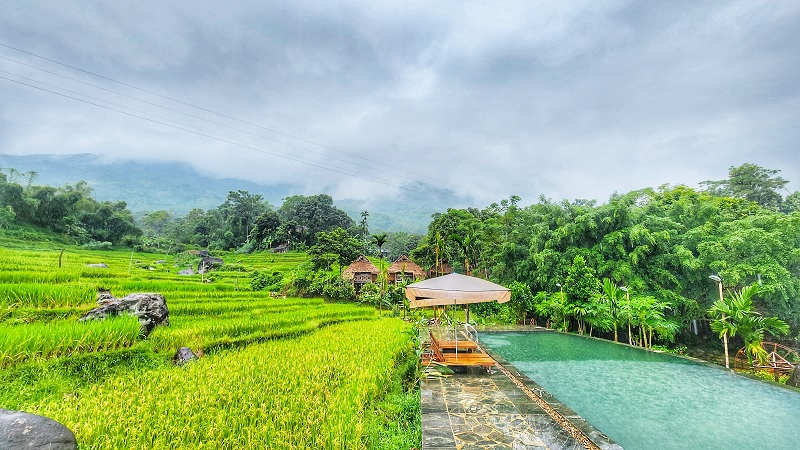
467	314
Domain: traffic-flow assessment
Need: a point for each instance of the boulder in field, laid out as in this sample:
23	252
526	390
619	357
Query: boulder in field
99	266
150	308
184	355
21	430
209	263
186	272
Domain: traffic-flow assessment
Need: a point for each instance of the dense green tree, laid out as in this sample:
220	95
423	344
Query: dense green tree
239	213
522	300
750	182
155	223
310	215
400	243
791	203
337	243
265	230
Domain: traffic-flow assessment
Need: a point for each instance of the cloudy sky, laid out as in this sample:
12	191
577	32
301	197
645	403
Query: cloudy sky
565	99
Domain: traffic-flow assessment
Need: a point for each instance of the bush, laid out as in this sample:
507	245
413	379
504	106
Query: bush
247	248
370	294
332	286
267	282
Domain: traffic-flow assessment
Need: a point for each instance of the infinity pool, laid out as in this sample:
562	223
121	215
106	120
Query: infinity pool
646	400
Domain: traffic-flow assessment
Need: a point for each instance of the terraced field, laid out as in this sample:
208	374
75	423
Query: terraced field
276	372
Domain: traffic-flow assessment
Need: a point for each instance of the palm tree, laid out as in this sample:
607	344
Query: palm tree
735	315
466	245
611	295
379	240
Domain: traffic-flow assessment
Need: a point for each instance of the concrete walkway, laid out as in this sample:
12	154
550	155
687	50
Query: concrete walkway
476	410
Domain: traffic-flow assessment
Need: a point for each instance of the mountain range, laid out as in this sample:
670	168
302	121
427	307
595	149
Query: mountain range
177	187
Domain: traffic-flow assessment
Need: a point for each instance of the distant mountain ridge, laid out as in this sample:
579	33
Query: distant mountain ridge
177	187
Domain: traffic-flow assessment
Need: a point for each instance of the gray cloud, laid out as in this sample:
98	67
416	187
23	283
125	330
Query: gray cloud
490	99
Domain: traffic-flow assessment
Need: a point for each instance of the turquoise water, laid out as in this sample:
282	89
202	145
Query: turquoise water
646	400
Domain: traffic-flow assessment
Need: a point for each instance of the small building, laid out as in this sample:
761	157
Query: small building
404	269
360	272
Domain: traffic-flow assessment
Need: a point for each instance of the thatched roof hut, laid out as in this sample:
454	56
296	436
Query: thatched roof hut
360	266
405	269
360	272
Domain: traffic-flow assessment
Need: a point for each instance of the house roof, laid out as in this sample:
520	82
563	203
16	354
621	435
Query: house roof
360	265
404	264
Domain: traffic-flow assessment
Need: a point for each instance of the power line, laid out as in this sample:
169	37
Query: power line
218	113
213	137
370	177
349	161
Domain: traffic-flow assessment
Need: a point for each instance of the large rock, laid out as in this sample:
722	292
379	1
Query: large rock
150	308
794	378
184	355
20	430
209	263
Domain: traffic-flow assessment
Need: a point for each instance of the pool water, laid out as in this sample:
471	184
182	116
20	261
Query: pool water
646	400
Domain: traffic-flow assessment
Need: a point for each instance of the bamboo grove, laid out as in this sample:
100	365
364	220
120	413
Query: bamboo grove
637	266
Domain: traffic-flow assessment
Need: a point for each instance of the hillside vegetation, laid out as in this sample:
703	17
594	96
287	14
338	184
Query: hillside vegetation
276	372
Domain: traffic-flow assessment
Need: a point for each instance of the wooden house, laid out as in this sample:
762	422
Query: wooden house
404	269
360	272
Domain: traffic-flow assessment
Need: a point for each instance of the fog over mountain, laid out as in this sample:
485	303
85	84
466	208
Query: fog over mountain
363	99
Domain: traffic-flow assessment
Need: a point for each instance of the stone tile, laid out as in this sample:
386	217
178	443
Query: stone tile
476	410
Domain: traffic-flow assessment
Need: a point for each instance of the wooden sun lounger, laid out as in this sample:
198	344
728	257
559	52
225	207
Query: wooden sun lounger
458	359
462	345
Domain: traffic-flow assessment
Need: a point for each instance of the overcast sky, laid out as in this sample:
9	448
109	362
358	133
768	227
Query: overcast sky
565	99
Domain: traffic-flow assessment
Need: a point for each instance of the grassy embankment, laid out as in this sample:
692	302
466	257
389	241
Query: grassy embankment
277	373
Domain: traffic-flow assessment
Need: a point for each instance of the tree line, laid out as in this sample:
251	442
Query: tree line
69	210
636	268
244	222
638	265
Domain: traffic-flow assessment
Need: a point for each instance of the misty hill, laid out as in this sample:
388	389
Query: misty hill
177	187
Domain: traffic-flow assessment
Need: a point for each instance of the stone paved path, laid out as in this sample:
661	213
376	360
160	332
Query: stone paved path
476	410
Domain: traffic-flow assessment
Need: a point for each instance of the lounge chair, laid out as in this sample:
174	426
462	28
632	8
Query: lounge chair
457	359
461	345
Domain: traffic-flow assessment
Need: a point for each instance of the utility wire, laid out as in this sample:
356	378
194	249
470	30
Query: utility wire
216	113
348	161
213	137
370	177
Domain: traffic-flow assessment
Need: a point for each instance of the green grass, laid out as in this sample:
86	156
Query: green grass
282	373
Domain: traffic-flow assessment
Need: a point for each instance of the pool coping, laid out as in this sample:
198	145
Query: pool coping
589	431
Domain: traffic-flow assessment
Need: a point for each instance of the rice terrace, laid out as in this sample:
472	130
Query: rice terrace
277	372
349	225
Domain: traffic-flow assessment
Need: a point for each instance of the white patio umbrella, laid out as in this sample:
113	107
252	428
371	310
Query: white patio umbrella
455	289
